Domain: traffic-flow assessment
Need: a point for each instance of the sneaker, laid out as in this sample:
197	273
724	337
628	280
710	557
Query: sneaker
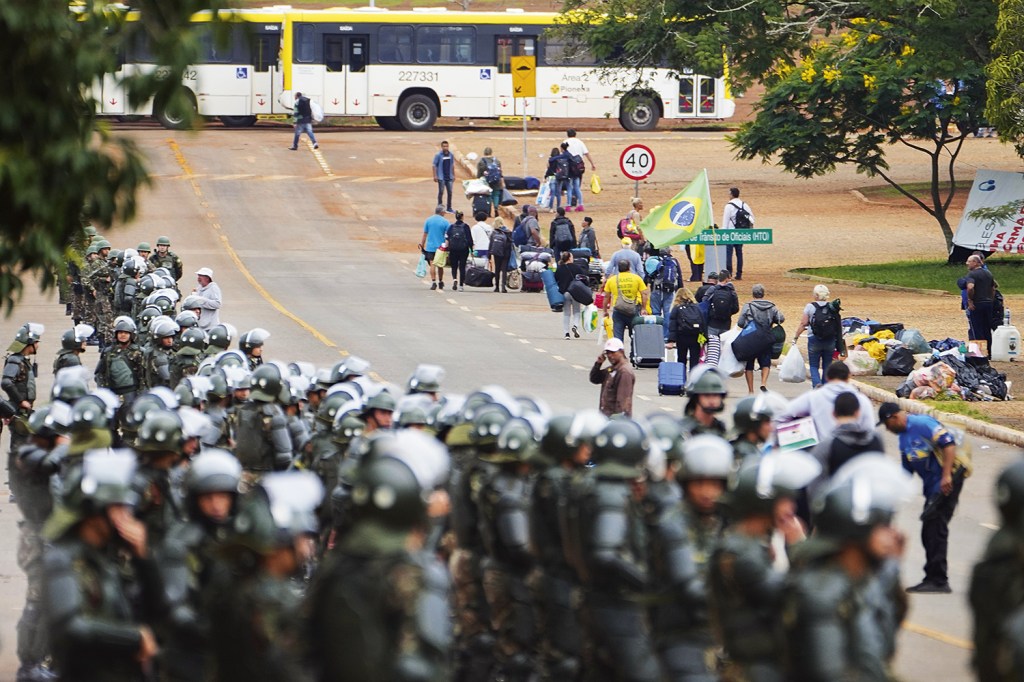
433	286
293	149
455	285
462	288
567	336
440	285
316	146
926	587
764	389
575	332
579	209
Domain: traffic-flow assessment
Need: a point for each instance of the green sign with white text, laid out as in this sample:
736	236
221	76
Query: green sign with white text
711	237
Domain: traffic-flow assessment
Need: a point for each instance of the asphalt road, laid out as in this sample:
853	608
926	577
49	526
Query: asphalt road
319	248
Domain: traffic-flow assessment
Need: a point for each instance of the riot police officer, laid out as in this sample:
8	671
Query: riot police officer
72	345
262	442
251	344
753	422
163	257
185	361
426	380
706	391
19	380
121	366
159	445
157	356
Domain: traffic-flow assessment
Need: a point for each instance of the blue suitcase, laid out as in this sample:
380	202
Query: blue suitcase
671	378
555	298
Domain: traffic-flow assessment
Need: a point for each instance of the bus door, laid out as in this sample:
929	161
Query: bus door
110	91
267	77
345	83
697	97
506	47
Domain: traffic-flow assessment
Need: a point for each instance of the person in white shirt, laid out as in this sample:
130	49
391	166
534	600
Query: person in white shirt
481	233
210	299
577	147
729	223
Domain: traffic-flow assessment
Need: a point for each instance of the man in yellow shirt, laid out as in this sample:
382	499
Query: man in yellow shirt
626	296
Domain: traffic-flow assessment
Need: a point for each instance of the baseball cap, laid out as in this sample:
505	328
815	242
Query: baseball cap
206	272
886	411
626	241
613	346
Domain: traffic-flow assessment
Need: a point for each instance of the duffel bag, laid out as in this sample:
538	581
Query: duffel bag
581	293
752	342
478	277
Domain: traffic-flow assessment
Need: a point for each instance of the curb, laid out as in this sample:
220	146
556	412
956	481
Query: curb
975	427
865	285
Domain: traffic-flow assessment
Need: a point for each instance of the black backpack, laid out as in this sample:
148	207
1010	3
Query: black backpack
578	167
499	242
720	304
562	168
825	321
742	220
691	320
457	240
563	233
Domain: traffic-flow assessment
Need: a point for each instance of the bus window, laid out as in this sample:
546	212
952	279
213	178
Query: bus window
215	46
357	55
266	52
334	53
395	44
686	95
445	44
138	47
304	48
508	47
707	95
562	54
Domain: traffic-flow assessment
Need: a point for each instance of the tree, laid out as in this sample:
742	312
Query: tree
843	79
59	165
1005	73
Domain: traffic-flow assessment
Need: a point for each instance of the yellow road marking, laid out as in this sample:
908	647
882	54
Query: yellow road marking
939	636
180	157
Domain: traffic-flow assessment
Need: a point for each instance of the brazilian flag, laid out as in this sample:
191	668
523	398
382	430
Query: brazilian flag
684	217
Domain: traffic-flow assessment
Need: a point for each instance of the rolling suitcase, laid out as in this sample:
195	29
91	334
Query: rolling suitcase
647	346
671	378
581	254
532	281
482	204
555	298
478	277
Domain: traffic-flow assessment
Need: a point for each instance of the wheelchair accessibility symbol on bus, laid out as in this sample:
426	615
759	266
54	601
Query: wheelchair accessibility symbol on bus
485	74
242	72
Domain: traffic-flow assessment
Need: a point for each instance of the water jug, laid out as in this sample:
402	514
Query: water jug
1005	344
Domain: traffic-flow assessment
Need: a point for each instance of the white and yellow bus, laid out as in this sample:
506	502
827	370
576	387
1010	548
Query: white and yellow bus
407	68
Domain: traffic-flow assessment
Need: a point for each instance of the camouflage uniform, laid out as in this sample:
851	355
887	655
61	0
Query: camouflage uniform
66	358
171	262
99	281
78	294
184	363
19	382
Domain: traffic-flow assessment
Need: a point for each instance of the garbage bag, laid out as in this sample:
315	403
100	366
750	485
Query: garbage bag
475	186
898	363
792	369
861	363
914	340
727	361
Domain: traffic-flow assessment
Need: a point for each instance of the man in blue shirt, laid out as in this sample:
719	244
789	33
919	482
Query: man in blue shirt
929	450
434	230
444	173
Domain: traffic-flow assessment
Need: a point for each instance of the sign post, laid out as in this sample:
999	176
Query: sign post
636	162
524	85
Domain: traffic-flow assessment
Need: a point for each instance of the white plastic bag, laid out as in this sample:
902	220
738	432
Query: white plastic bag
590	318
316	111
475	186
792	369
727	362
545	195
861	363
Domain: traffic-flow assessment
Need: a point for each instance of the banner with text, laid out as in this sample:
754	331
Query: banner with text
741	237
993	188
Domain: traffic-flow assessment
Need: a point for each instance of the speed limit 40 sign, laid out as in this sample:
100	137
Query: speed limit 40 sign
636	162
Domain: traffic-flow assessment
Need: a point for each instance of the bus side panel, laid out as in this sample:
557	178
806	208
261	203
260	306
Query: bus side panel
110	94
223	89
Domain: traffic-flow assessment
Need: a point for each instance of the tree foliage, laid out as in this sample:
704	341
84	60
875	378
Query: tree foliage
60	165
1005	73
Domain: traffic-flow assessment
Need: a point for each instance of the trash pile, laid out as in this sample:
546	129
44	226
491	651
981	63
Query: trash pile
946	369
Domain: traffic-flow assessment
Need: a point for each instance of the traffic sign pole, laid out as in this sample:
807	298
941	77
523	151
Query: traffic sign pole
524	85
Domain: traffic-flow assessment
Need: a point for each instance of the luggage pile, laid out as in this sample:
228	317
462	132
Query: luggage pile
947	376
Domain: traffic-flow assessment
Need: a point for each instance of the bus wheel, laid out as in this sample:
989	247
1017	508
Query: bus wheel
639	113
417	112
238	121
389	122
177	113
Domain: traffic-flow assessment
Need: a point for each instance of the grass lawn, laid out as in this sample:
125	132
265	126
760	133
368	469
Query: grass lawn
925	274
958	407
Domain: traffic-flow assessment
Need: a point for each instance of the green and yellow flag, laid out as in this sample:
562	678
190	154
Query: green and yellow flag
684	217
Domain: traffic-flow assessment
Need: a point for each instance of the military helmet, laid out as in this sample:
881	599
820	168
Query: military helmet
104	480
413	410
706	456
160	431
555	443
143	246
192	391
851	509
348	369
158	398
385	490
50	421
73	338
486	396
425	379
760	481
163	327
89	412
28	334
163	302
668	433
194	424
519	440
238	378
280	509
1010	497
213	471
448	410
529	405
295	387
130	267
487	424
380	399
102	244
147	285
193	338
706	379
163	241
123	323
750	412
91	250
329	406
348	423
187	319
252	339
221	335
266	383
231	358
89	230
146	317
70	384
620	449
218	389
116	255
192	302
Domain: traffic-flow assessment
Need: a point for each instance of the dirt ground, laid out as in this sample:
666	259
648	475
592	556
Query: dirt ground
816	222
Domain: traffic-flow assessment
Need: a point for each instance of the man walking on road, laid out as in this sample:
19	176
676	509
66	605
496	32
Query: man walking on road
303	121
210	299
928	449
616	380
626	296
443	168
980	298
577	147
434	230
737	215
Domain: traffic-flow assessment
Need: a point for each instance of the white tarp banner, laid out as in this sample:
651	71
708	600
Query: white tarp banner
993	188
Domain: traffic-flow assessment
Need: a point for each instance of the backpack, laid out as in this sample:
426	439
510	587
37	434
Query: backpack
457	240
627	229
492	172
578	168
499	242
720	304
520	235
562	168
998	309
742	220
824	322
562	231
691	320
668	273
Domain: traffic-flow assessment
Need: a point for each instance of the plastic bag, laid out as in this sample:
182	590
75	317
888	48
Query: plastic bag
546	194
727	362
595	184
507	199
513	261
590	318
421	267
861	364
476	186
440	259
914	340
792	369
